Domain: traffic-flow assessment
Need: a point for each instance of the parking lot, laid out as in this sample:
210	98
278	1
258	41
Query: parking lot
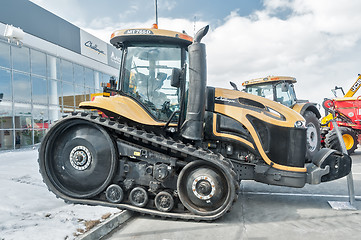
266	212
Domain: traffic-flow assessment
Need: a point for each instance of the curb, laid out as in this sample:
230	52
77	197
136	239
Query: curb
107	226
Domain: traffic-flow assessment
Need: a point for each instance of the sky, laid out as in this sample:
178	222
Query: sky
317	42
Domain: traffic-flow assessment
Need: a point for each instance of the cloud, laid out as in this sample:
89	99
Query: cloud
317	42
164	23
166	4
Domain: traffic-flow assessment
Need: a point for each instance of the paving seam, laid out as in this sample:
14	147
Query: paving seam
107	226
298	194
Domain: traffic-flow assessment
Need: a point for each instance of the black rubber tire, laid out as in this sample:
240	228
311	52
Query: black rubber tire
59	170
222	198
332	142
313	144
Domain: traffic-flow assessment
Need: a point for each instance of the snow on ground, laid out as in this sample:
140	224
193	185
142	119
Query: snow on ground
29	211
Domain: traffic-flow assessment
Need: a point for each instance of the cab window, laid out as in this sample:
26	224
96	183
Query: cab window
148	72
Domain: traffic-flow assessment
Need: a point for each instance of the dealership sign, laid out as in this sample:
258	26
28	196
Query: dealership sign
114	56
93	47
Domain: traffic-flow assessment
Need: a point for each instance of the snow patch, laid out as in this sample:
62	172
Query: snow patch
29	211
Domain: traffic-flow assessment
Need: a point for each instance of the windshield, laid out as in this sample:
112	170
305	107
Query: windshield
147	74
281	92
265	90
285	94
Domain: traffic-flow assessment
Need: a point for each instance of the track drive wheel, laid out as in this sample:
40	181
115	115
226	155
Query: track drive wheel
313	135
349	137
205	189
77	159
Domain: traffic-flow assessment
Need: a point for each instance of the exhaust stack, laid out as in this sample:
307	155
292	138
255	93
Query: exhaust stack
192	128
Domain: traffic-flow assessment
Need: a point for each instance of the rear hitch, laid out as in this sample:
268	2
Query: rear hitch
327	165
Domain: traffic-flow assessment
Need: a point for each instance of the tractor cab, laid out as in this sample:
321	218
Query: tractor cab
279	89
153	61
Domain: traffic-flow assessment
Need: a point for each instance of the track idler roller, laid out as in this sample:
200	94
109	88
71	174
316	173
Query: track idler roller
164	201
138	197
114	193
205	189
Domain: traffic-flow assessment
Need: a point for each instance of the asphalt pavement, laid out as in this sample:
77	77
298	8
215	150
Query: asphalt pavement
266	212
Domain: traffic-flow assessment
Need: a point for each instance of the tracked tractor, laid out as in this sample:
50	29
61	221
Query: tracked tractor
281	89
172	147
347	112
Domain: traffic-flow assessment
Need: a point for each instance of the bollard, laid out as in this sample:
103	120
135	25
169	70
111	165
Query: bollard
350	186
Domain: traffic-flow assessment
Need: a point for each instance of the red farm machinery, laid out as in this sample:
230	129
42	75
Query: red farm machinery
347	113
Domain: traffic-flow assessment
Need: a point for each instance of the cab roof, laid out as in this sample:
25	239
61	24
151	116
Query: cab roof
151	35
269	79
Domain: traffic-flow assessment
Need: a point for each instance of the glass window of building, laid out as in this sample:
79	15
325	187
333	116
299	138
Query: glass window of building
6	139
23	125
23	118
53	67
40	90
40	116
23	138
55	92
4	55
20	56
79	95
67	71
88	92
6	93
6	115
106	77
22	87
89	78
68	94
54	114
38	62
79	74
41	122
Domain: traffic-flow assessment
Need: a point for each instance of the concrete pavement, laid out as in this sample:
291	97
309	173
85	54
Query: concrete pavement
265	212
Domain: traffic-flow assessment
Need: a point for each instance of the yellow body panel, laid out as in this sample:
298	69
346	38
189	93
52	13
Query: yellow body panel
354	87
298	107
240	114
123	106
348	99
327	118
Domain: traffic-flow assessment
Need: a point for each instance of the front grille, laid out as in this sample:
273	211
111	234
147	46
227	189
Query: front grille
283	145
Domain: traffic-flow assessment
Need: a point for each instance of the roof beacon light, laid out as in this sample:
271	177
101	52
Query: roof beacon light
155	26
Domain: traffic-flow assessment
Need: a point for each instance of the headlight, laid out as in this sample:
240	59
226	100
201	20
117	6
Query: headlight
300	124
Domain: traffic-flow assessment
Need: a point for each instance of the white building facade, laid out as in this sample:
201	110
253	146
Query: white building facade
48	73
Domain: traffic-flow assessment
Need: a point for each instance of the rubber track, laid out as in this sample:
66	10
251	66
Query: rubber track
167	144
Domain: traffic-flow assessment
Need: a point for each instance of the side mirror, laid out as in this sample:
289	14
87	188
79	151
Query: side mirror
113	83
284	87
234	86
176	77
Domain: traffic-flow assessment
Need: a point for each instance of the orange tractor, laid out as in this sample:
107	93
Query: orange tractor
281	89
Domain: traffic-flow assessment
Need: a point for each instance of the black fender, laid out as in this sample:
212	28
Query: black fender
310	107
